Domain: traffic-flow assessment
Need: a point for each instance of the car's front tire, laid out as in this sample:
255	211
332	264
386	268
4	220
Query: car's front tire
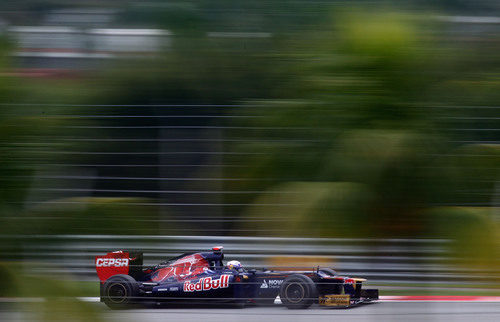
119	291
298	292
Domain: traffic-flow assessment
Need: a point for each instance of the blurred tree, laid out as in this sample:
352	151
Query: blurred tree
474	231
366	91
21	152
30	126
15	164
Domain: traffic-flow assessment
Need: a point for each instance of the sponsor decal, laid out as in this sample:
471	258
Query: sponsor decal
170	289
183	268
335	300
275	283
271	284
112	262
206	284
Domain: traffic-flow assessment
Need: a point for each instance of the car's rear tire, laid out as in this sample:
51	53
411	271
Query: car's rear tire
298	292
119	291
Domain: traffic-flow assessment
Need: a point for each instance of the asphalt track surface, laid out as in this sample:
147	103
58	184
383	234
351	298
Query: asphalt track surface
394	311
382	311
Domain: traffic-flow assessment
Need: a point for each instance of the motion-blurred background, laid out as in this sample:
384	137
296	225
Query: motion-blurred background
362	135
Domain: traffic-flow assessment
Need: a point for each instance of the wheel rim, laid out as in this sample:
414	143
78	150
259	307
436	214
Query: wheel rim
295	292
117	293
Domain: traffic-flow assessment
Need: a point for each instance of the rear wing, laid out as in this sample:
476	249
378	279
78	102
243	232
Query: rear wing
119	262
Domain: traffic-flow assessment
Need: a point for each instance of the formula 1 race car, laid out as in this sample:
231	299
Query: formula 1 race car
203	276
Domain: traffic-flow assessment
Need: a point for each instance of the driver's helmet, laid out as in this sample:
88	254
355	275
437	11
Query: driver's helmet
233	265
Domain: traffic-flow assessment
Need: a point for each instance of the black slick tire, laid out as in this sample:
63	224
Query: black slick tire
298	292
119	291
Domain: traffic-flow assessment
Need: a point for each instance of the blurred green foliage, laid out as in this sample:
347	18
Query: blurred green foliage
198	70
15	165
58	297
368	90
473	229
75	216
281	14
357	94
314	209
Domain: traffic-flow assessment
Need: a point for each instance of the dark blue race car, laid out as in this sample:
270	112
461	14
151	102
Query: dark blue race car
203	276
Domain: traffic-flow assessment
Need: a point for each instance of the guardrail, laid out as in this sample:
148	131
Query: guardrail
409	263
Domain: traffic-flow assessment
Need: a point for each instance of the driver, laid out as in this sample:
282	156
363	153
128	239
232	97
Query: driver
236	265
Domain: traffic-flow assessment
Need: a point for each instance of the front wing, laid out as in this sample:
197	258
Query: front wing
346	300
